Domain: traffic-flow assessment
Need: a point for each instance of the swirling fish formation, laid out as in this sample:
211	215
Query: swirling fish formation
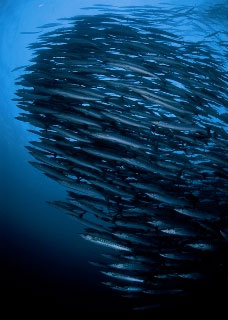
132	120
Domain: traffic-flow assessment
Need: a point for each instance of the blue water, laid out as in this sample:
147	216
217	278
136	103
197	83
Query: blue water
44	257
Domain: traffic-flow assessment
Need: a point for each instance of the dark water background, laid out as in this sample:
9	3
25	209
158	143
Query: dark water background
44	262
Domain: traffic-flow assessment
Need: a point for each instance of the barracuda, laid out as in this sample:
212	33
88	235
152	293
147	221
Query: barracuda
132	122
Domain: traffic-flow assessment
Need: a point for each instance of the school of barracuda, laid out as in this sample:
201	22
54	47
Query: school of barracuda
132	120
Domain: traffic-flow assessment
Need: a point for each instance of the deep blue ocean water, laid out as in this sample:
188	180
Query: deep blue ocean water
44	260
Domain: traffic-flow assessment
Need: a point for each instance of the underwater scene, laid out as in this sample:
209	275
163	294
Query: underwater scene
114	154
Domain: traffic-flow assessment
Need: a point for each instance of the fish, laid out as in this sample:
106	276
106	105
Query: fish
30	32
80	172
178	256
224	234
164	292
82	162
124	288
78	120
49	25
122	277
111	188
71	95
132	238
83	188
70	134
167	199
201	246
154	99
18	68
178	127
132	225
121	140
105	243
86	207
49	161
147	166
54	149
179	232
123	119
196	214
129	266
133	68
50	171
102	154
130	118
